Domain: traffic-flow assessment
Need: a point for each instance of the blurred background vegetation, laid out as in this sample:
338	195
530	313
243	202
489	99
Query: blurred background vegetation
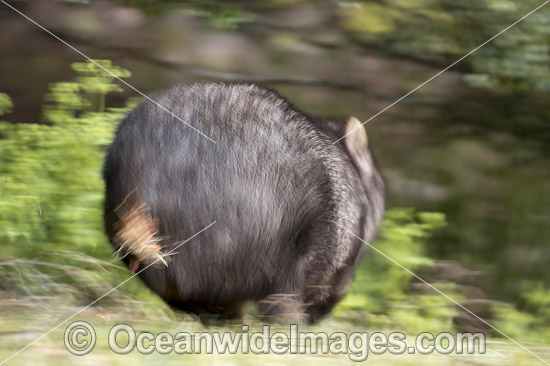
465	158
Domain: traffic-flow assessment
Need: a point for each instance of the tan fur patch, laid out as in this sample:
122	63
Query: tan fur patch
136	234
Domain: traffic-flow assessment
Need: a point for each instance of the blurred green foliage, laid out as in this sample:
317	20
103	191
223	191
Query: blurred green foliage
382	294
531	321
443	31
6	104
437	32
51	190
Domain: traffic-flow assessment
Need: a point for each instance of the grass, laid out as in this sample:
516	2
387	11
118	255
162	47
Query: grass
36	296
18	330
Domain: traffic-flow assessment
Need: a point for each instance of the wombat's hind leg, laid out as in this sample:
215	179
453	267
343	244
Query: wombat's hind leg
319	310
232	310
212	314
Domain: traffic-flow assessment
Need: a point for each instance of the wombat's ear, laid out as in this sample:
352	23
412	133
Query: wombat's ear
356	137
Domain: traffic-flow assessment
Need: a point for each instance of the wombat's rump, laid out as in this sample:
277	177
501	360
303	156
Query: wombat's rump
274	184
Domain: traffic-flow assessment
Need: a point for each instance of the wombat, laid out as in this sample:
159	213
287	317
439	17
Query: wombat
277	188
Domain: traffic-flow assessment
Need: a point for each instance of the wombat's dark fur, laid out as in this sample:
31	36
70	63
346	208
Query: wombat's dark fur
275	185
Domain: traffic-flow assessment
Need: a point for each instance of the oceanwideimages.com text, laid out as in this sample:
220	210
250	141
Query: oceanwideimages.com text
80	338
